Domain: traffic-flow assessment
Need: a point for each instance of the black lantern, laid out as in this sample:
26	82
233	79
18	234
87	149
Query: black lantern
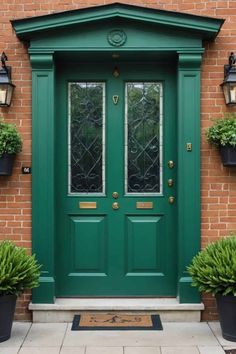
6	86
229	83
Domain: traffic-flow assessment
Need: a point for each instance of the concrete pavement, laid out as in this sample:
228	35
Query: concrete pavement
57	338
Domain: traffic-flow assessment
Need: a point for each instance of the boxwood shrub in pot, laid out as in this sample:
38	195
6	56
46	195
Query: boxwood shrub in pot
213	270
18	271
223	135
10	145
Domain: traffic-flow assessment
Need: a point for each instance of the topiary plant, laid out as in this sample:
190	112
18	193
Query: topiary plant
18	270
10	139
223	131
213	269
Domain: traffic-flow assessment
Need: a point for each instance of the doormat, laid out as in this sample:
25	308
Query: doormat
230	351
117	321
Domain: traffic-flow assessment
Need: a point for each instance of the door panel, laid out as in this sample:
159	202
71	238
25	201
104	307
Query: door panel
89	241
115	136
144	230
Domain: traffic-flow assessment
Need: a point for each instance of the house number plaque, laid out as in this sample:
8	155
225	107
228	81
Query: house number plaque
26	170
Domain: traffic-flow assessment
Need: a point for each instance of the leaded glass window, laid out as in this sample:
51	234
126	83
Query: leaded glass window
143	136
86	137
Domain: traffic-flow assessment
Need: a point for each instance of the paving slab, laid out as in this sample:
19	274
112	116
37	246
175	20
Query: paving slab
57	338
9	350
215	327
36	350
142	350
210	350
104	350
18	334
179	350
45	335
181	334
72	350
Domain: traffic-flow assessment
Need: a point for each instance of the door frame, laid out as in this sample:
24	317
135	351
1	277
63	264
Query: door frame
116	30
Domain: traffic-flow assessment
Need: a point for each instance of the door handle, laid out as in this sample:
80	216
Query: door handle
115	195
115	206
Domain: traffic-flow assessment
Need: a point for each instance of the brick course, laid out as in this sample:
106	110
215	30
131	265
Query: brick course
218	183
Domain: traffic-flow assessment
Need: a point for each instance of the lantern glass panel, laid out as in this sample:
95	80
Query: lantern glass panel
9	94
226	93
6	91
3	94
232	90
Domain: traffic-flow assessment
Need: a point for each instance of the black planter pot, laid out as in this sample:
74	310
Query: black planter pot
6	164
7	310
228	155
226	305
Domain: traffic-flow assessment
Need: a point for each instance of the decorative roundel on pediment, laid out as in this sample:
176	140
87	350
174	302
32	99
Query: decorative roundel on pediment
116	37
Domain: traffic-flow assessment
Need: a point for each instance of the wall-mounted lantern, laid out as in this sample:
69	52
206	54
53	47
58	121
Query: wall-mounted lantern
229	83
6	86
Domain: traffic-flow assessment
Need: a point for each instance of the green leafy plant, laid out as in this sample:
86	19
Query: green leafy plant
223	131
213	269
10	139
18	270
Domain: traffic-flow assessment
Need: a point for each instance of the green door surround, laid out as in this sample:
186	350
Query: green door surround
143	33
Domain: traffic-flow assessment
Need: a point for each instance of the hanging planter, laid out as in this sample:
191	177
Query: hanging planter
10	145
228	155
223	135
6	164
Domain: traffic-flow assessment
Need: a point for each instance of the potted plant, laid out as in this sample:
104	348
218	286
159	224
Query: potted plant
18	271
10	145
213	270
223	135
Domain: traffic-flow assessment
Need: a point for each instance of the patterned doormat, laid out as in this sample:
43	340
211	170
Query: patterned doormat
230	351
116	321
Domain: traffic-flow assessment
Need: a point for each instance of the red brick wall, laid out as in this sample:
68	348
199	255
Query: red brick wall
218	183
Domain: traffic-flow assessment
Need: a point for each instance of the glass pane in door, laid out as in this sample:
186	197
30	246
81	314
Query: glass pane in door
86	137
143	136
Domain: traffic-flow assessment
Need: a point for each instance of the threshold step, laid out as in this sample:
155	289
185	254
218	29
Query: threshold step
64	309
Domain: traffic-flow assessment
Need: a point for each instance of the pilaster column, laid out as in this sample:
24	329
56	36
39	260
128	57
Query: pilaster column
188	170
43	172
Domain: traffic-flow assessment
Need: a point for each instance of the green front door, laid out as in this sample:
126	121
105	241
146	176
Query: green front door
116	207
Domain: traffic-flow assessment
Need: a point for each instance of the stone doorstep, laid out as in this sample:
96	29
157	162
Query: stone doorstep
64	309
